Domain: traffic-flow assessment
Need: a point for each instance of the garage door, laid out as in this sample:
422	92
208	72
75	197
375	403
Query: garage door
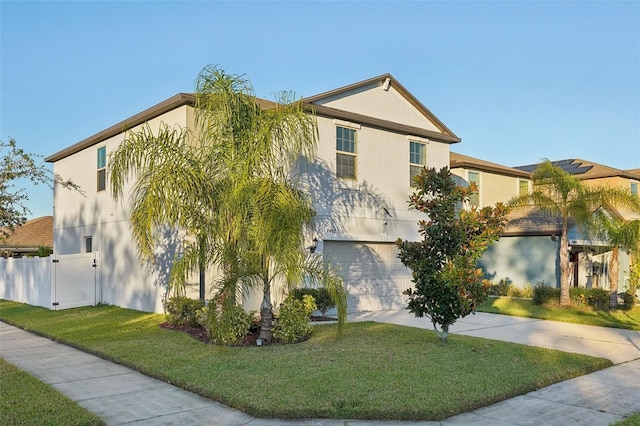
373	275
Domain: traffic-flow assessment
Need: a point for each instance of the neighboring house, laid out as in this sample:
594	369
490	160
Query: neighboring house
589	257
528	249
373	136
597	174
28	239
495	183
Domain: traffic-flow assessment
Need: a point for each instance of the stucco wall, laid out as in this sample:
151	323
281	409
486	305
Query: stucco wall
373	207
522	260
124	280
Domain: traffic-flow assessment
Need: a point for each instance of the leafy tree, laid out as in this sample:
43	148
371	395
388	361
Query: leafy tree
560	194
448	284
231	186
15	165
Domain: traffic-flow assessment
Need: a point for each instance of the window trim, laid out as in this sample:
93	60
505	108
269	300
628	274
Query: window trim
633	184
101	173
478	184
520	182
353	154
411	164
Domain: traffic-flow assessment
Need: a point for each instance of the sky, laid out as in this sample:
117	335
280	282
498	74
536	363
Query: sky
517	81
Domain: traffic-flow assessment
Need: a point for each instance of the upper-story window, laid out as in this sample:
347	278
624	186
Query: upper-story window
345	153
417	159
474	197
102	168
634	188
523	187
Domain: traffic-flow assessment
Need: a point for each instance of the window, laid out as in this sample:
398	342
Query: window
345	153
88	244
417	159
523	188
634	188
102	168
474	198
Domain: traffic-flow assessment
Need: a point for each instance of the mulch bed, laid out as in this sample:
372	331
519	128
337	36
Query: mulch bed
200	333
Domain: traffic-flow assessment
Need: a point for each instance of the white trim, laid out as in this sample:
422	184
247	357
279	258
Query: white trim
418	139
346	124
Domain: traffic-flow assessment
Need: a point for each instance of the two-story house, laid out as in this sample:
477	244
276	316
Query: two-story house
373	136
590	256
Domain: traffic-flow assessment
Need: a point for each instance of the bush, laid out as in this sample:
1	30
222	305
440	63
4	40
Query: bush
598	299
500	289
183	311
320	295
293	321
226	323
544	294
628	301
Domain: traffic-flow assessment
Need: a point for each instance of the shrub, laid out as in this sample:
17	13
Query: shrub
514	291
321	296
544	294
183	311
293	321
226	323
628	301
598	299
527	291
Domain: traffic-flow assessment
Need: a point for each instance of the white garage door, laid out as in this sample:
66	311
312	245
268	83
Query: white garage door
373	275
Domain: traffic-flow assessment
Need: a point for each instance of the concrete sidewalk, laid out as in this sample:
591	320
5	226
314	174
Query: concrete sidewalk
122	396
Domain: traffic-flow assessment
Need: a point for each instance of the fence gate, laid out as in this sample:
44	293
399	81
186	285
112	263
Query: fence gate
75	280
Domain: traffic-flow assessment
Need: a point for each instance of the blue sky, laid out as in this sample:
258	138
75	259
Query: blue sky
516	80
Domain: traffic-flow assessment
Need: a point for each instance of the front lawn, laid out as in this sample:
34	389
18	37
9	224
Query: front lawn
580	315
375	371
25	400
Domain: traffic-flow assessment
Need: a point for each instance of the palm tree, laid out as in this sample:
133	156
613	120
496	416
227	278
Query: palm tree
230	185
621	234
560	194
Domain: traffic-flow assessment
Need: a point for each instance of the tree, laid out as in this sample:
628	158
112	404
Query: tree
560	194
621	234
230	184
448	284
16	164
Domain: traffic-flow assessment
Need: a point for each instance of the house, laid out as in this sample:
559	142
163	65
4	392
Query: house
528	248
496	183
34	237
374	135
590	257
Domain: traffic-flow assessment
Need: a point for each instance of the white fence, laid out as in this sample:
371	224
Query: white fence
55	282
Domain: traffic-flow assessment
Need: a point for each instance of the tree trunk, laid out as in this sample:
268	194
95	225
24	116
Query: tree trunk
565	270
614	266
266	311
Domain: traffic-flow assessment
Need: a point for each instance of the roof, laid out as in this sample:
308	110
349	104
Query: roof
308	103
33	233
531	221
385	79
463	161
584	169
163	107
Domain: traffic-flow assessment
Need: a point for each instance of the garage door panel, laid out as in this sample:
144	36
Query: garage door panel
373	275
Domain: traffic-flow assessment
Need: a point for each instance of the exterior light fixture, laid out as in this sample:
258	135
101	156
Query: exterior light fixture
314	246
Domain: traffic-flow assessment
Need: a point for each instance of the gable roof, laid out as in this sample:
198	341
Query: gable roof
464	161
313	103
308	103
583	169
33	233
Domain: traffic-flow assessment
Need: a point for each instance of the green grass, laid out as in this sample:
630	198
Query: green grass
632	420
579	315
25	400
375	371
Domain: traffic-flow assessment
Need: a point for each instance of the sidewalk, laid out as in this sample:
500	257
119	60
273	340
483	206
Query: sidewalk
122	396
